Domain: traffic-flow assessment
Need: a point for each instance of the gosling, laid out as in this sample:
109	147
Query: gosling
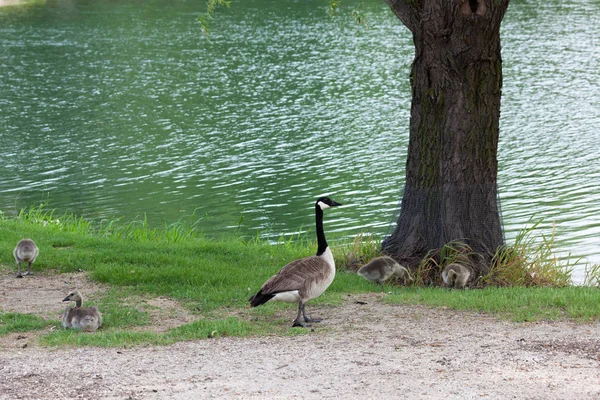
85	318
456	275
26	251
383	268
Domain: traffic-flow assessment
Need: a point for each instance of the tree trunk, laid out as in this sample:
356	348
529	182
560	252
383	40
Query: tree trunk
451	171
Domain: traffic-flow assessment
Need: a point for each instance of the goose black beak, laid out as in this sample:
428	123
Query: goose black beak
335	203
66	299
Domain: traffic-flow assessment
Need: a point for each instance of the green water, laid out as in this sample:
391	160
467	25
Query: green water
123	108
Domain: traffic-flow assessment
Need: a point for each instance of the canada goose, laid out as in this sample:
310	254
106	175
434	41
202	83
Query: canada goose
456	275
26	251
382	268
304	279
85	318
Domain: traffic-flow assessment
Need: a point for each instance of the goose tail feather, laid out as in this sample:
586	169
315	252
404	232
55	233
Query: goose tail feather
260	298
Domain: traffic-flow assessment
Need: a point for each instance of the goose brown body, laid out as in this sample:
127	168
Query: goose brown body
303	279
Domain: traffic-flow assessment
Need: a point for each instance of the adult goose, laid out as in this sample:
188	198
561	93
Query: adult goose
456	275
26	251
304	279
85	318
383	268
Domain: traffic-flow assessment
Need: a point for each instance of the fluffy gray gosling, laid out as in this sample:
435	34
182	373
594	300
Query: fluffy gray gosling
85	318
456	275
26	251
383	268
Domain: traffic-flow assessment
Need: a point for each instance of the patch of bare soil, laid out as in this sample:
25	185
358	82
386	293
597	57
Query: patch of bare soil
164	313
363	349
42	293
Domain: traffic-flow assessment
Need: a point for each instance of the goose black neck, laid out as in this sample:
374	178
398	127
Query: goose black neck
78	303
320	233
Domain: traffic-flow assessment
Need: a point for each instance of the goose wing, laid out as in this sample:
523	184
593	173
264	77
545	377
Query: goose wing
294	275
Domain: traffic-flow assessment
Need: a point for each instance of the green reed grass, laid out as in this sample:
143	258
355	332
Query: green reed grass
530	261
592	275
362	249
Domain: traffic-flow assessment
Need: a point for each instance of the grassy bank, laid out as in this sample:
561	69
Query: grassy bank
212	281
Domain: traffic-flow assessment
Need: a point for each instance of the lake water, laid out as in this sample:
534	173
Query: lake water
111	109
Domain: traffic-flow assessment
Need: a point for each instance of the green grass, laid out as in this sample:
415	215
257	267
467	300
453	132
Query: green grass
519	304
101	338
200	329
213	279
18	322
118	315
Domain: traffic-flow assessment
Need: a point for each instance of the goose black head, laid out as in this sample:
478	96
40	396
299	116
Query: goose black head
325	202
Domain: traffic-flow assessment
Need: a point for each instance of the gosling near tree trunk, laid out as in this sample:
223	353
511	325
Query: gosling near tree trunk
304	279
85	318
383	268
456	275
26	251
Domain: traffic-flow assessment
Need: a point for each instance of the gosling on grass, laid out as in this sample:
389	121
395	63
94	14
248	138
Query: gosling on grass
456	275
85	318
26	251
383	268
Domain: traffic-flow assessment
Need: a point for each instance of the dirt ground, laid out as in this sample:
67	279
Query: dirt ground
363	349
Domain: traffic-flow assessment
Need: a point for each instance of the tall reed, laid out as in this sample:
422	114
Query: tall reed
363	248
530	261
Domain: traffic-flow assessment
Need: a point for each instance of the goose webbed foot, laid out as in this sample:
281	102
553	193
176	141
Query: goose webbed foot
301	323
19	275
302	319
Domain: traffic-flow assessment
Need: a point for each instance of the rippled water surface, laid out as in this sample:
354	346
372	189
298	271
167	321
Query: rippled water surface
112	109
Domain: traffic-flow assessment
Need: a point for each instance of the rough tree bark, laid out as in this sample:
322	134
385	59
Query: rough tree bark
456	78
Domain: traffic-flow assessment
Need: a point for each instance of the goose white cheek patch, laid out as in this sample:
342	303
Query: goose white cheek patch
323	205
